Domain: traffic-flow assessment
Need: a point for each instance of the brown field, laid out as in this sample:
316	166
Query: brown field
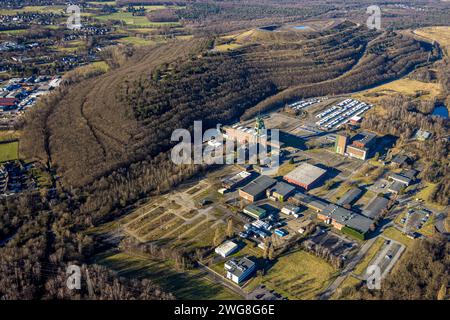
405	86
439	34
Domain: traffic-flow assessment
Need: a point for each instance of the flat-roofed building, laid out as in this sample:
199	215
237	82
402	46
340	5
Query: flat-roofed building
357	152
340	217
364	139
308	201
290	209
376	207
226	248
396	187
255	211
350	197
306	175
400	178
399	160
340	145
239	270
256	189
281	191
236	180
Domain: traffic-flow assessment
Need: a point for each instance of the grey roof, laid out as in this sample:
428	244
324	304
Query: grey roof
366	139
309	201
348	218
399	177
400	159
259	185
282	188
350	196
375	207
239	267
306	173
396	186
410	173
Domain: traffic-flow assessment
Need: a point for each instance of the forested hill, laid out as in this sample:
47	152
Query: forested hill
106	138
128	114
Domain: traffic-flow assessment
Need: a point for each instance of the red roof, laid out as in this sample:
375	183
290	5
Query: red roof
8	102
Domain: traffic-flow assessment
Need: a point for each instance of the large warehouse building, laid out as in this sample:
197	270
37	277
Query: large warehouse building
256	189
305	176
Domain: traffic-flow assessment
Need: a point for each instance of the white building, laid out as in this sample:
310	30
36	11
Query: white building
226	248
238	271
290	209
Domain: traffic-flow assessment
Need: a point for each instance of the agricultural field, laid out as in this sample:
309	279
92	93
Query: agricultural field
9	151
40	9
297	275
133	21
138	41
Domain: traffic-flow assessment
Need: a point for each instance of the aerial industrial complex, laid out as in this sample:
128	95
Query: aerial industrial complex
328	200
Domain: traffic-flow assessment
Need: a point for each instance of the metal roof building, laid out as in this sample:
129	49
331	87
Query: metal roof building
281	191
305	175
236	180
341	217
309	201
400	178
226	248
256	189
375	207
350	197
255	211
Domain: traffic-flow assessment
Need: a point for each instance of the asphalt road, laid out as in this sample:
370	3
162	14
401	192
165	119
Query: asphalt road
347	270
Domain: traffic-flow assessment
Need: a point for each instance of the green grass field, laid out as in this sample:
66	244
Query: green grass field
14	32
299	275
8	151
135	41
425	193
184	285
371	253
397	235
349	282
41	9
135	21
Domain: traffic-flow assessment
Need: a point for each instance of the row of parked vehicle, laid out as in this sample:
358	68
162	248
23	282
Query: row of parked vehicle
341	113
